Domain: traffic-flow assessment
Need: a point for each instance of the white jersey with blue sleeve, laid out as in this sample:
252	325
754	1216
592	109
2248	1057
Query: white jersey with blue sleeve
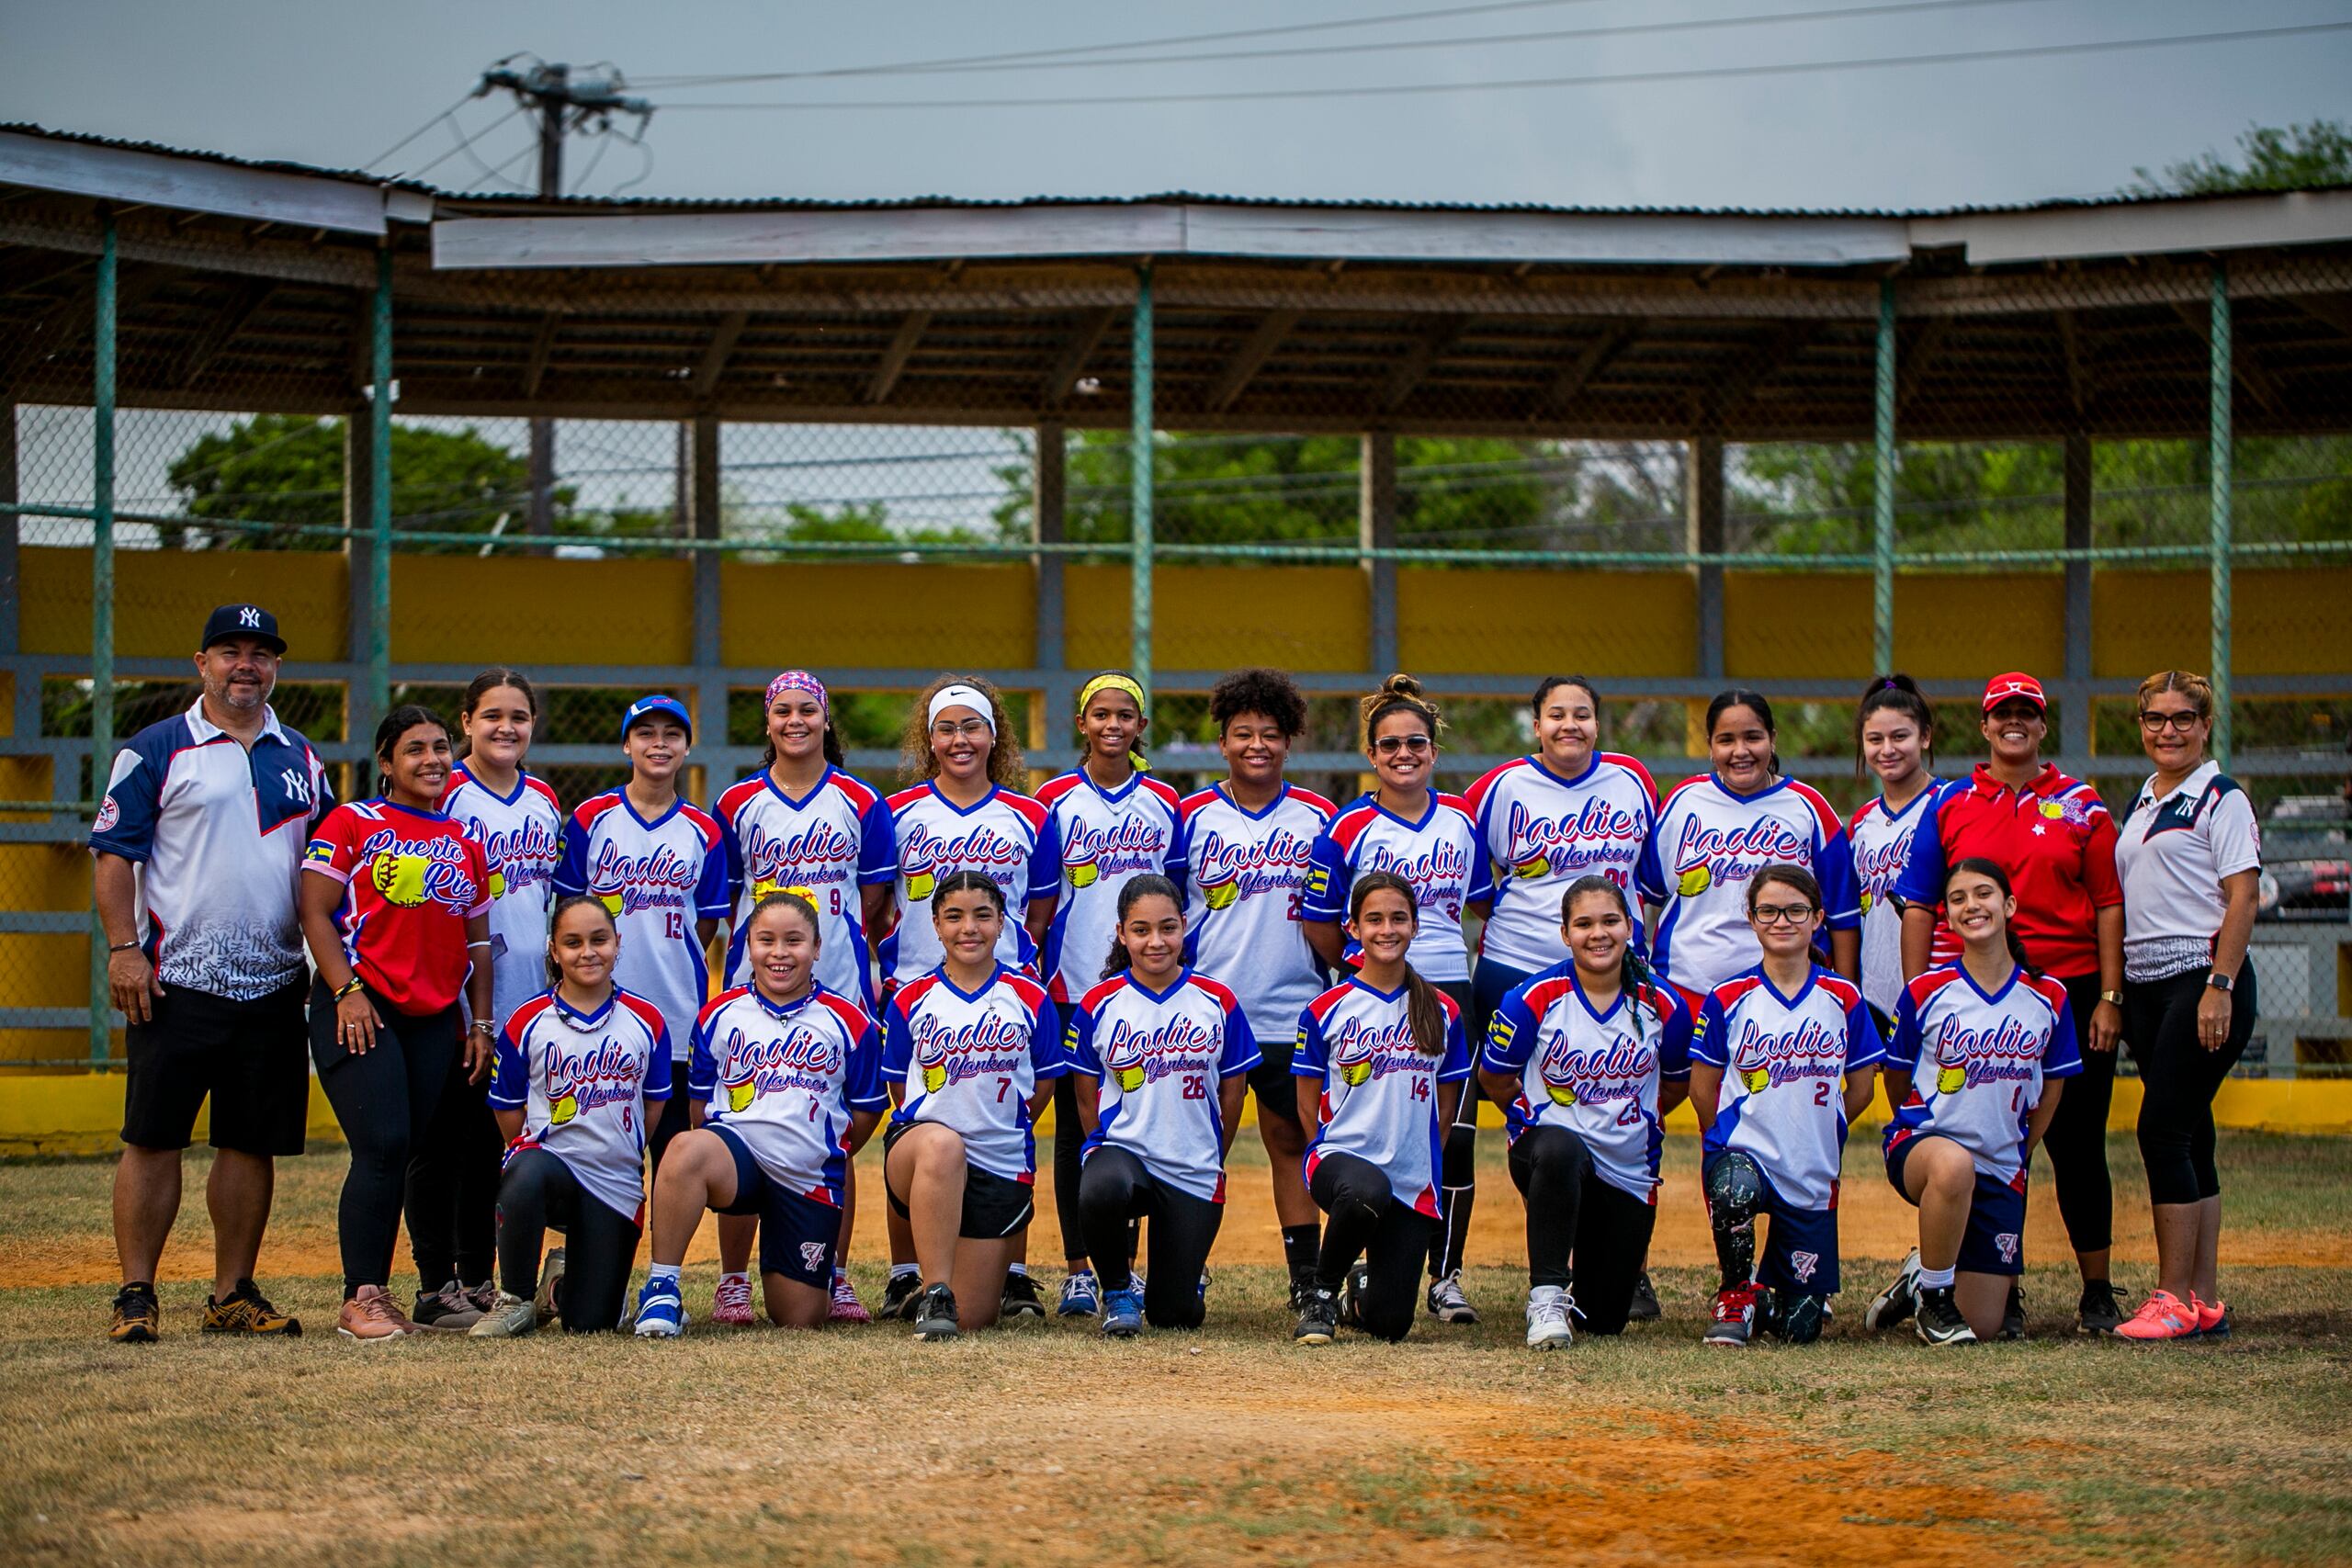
828	845
1542	832
1006	837
1246	874
1978	1061
787	1080
578	1078
971	1061
1378	1099
1159	1058
1595	1072
660	879
1107	838
520	836
1881	841
1441	855
1783	1060
1708	843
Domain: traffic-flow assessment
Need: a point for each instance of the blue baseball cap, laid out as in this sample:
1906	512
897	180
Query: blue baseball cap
229	622
659	702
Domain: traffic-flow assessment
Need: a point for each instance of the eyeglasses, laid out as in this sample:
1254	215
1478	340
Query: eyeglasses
1389	745
1781	914
971	729
2157	723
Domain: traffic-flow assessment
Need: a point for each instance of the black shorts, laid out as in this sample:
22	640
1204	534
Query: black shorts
798	1235
994	1206
1272	1082
251	1058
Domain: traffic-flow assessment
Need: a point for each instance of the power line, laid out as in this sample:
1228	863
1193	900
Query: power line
412	135
465	141
1408	89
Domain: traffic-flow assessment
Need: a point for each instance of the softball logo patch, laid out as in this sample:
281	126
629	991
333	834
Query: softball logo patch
812	1256
109	815
2005	1243
1803	1265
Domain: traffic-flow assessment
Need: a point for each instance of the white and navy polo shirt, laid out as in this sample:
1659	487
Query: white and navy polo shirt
2171	855
217	833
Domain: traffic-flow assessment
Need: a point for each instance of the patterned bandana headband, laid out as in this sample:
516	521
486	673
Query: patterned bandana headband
1112	683
800	681
962	697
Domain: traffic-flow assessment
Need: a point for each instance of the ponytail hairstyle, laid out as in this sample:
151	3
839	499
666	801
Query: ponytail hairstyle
480	686
397	722
962	882
1423	1007
1983	867
1115	680
799	680
917	764
1741	698
1398	694
574	901
1899	694
1632	973
1137	889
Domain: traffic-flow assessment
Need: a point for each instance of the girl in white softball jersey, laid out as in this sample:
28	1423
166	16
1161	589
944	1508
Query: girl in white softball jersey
1895	730
1716	830
1160	1058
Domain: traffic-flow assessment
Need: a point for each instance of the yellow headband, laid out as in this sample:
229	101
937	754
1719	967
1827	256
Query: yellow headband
1113	683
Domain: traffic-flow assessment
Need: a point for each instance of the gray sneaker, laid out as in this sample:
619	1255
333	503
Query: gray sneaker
550	1277
449	1310
509	1317
935	1313
1448	1304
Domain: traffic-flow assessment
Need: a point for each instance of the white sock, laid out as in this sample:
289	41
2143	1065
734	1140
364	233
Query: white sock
735	1278
1020	1269
905	1271
1935	1279
663	1274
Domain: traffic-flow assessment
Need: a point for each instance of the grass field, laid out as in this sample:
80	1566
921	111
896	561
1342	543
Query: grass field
1047	1445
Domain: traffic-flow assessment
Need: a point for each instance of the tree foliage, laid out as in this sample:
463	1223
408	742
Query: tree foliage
2294	157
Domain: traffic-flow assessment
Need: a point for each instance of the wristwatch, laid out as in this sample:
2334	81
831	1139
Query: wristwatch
2219	981
2115	997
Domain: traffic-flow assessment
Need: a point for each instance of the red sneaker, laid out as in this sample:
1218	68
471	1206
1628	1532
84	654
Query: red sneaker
2162	1316
731	1302
846	1307
1734	1318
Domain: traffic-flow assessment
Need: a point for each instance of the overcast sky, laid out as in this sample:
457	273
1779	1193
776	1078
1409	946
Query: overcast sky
335	83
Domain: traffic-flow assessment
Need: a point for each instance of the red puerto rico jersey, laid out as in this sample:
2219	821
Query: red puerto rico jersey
1159	1058
1977	1062
1783	1060
788	1080
1708	843
1379	1088
1542	832
660	879
518	834
971	1060
1107	838
411	879
578	1078
1006	837
829	845
1595	1073
1441	855
2055	840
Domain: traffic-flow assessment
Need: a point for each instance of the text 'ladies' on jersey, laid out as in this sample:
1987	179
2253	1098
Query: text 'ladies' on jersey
1159	1058
1593	1072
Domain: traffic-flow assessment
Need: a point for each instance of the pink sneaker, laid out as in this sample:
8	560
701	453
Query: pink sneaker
373	1314
846	1307
2213	1317
2163	1316
731	1302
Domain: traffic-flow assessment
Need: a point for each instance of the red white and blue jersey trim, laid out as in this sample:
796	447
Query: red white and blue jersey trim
1107	837
580	1079
1978	1060
1441	855
1595	1072
1708	843
411	880
1246	876
1159	1058
828	845
972	1061
1542	832
1783	1061
1881	839
520	835
1004	836
660	879
1378	1099
788	1080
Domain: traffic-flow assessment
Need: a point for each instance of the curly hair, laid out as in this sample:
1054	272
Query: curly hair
1259	690
916	763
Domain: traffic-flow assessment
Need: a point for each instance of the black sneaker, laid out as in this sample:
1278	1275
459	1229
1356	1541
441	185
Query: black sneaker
1898	1301
1939	1319
448	1309
2013	1314
899	1296
1020	1298
1798	1319
935	1313
2102	1308
137	1315
1351	1304
1318	1317
1644	1307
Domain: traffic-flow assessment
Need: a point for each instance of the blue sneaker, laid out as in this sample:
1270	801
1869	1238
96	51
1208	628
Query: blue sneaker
661	1311
1121	1314
1082	1296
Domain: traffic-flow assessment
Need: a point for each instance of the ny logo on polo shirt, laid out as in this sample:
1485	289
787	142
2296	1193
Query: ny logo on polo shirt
297	787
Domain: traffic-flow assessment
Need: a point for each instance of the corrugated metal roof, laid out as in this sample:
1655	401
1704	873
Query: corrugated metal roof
271	165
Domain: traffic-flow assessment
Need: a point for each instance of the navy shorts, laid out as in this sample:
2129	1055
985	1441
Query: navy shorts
1272	1082
797	1234
994	1206
1800	1251
1994	1242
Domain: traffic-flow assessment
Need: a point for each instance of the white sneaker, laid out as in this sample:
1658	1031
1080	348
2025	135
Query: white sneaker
1547	1318
1448	1304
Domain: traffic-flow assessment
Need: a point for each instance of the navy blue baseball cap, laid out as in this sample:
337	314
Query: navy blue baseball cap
660	703
233	621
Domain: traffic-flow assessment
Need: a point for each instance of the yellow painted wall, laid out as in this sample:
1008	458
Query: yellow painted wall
1532	624
163	596
1220	617
861	613
525	611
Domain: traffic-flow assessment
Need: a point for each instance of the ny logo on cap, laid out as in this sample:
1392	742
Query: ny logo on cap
249	617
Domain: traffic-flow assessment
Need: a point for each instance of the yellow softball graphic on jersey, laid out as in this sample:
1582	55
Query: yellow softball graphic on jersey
562	1109
1561	1093
400	878
935	1078
2053	810
498	885
1952	1080
1758	1080
1354	1062
1695	881
1082	873
920	884
1868	899
1535	865
1221	895
611	901
741	1091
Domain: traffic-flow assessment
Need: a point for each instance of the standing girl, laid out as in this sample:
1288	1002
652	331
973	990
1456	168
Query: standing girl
785	1079
1587	1059
1161	1056
963	815
454	1177
1893	730
1406	827
1114	823
396	913
2189	857
1245	844
2054	838
802	825
1997	1042
969	1055
581	1068
1777	1038
1380	1064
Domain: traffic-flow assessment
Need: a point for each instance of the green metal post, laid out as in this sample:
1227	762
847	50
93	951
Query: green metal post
2220	465
379	492
102	349
1139	465
1882	491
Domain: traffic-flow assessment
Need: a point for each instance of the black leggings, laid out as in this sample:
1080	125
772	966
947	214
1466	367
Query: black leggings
2178	1079
1114	1192
1571	1209
385	1101
1458	1180
1069	1137
452	1198
2078	1136
600	1244
677	1116
1367	1222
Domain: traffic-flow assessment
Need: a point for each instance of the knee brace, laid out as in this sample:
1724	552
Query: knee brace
1735	1196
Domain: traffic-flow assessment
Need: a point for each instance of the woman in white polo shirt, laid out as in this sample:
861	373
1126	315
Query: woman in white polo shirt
2188	855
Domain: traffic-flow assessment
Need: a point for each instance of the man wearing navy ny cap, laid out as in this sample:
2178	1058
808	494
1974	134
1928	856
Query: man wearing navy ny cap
197	848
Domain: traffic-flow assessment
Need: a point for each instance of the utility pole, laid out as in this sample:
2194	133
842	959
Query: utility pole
563	105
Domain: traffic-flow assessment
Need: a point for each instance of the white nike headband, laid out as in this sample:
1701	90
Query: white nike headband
962	697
